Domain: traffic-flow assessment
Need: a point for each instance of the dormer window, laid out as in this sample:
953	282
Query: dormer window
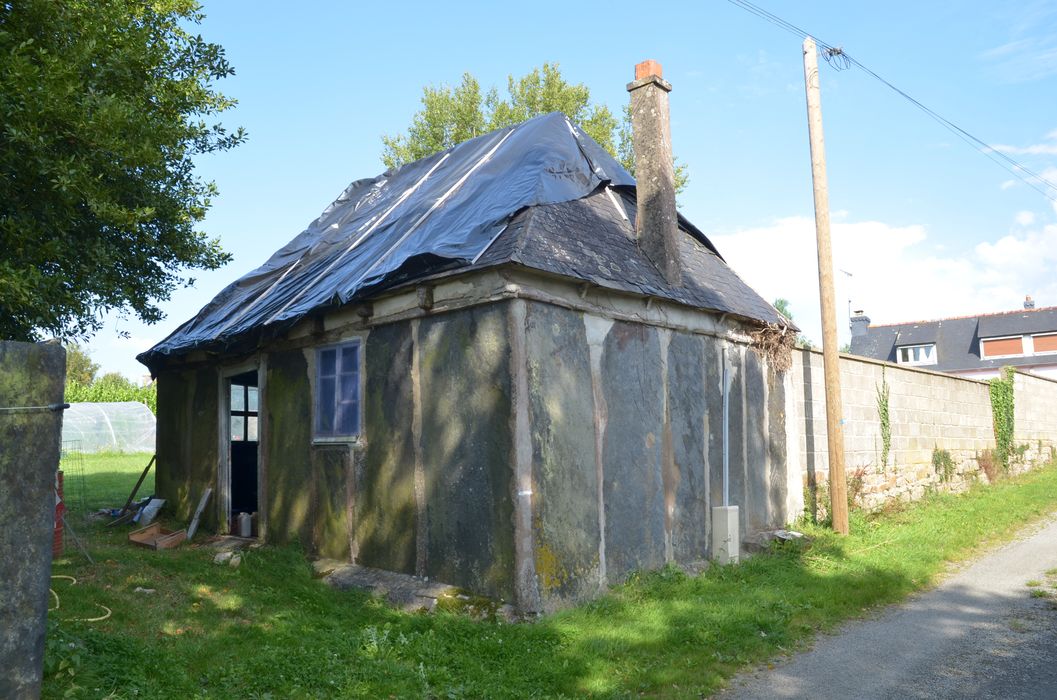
1045	343
917	354
1011	346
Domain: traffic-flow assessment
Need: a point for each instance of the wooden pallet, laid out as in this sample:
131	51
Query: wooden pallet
155	537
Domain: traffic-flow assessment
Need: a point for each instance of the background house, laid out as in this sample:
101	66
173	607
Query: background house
968	346
500	366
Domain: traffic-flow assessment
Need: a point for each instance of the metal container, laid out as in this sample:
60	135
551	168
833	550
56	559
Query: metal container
245	525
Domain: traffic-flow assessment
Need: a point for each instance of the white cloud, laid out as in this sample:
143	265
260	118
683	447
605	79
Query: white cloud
1035	149
1025	218
1047	147
1006	184
897	274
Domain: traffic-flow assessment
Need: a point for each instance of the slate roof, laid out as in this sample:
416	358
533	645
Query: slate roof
958	339
540	194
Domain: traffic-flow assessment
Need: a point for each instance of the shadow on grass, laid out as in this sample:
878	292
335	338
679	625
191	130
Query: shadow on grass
268	627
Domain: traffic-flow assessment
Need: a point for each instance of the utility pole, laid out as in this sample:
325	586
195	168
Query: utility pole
838	488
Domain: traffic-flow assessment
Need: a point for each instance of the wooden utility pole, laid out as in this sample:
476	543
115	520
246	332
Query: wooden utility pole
838	488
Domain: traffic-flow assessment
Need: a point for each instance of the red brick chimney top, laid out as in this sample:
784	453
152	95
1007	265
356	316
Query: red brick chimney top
648	68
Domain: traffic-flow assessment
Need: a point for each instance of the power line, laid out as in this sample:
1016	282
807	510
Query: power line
838	58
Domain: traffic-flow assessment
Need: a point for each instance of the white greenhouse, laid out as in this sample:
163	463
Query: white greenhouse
125	426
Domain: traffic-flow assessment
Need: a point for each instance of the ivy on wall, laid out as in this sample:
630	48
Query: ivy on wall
1002	415
886	421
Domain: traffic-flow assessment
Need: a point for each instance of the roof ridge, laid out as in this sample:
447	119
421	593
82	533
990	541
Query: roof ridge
959	318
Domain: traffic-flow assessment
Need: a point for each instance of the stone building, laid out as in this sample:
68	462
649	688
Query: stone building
500	367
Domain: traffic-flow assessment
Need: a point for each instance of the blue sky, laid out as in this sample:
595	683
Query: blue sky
926	226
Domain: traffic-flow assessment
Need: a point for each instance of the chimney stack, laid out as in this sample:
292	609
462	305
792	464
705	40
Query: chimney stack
859	323
1029	303
657	222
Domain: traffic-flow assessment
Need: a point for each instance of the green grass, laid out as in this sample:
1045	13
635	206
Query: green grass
267	629
104	479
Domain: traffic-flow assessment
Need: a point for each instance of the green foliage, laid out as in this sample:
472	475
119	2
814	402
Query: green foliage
451	115
885	418
661	634
781	305
79	366
942	464
113	387
1002	416
104	106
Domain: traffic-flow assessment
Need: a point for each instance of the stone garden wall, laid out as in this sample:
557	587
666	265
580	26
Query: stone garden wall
941	427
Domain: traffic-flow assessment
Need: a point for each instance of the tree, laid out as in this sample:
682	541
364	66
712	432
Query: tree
103	107
782	306
451	115
79	366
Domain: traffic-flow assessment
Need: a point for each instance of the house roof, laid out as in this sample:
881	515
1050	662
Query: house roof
958	339
541	194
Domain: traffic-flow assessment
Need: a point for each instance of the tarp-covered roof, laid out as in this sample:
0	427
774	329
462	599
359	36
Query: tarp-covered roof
438	213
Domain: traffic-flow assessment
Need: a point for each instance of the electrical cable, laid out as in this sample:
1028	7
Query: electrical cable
841	60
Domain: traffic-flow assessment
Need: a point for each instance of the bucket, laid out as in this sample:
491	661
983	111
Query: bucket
245	525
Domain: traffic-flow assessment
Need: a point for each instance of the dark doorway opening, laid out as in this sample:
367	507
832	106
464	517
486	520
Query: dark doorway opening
244	433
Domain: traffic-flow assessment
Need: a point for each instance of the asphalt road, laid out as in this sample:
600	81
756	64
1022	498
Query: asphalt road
980	634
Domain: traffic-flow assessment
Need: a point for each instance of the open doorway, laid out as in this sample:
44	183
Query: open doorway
244	408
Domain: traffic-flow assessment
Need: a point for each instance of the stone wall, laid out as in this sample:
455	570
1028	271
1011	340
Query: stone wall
625	424
932	416
187	441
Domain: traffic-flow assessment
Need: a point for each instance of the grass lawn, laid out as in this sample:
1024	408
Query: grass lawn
268	630
104	479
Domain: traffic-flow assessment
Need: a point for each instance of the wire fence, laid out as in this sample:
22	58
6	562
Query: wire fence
101	481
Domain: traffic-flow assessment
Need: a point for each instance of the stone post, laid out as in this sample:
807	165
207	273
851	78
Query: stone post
31	391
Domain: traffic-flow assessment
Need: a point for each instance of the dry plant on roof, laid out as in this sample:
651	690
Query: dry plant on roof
774	343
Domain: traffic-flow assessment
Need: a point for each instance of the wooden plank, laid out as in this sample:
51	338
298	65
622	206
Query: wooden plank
198	513
139	483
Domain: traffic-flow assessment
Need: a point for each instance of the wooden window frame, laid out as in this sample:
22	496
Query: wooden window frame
319	433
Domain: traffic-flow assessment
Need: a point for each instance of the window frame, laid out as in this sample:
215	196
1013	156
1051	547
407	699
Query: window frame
917	363
985	356
318	436
245	413
1044	334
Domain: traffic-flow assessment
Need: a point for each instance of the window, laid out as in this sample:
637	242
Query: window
1045	343
243	413
917	354
338	391
1001	347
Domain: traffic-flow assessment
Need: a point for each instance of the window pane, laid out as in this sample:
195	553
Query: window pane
350	357
348	415
904	355
326	405
251	428
238	397
252	391
917	354
349	388
238	428
927	351
327	362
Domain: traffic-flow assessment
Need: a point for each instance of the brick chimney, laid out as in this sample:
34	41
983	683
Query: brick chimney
657	223
1029	303
859	323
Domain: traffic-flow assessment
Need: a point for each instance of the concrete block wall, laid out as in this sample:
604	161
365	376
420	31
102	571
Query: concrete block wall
1035	415
928	411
